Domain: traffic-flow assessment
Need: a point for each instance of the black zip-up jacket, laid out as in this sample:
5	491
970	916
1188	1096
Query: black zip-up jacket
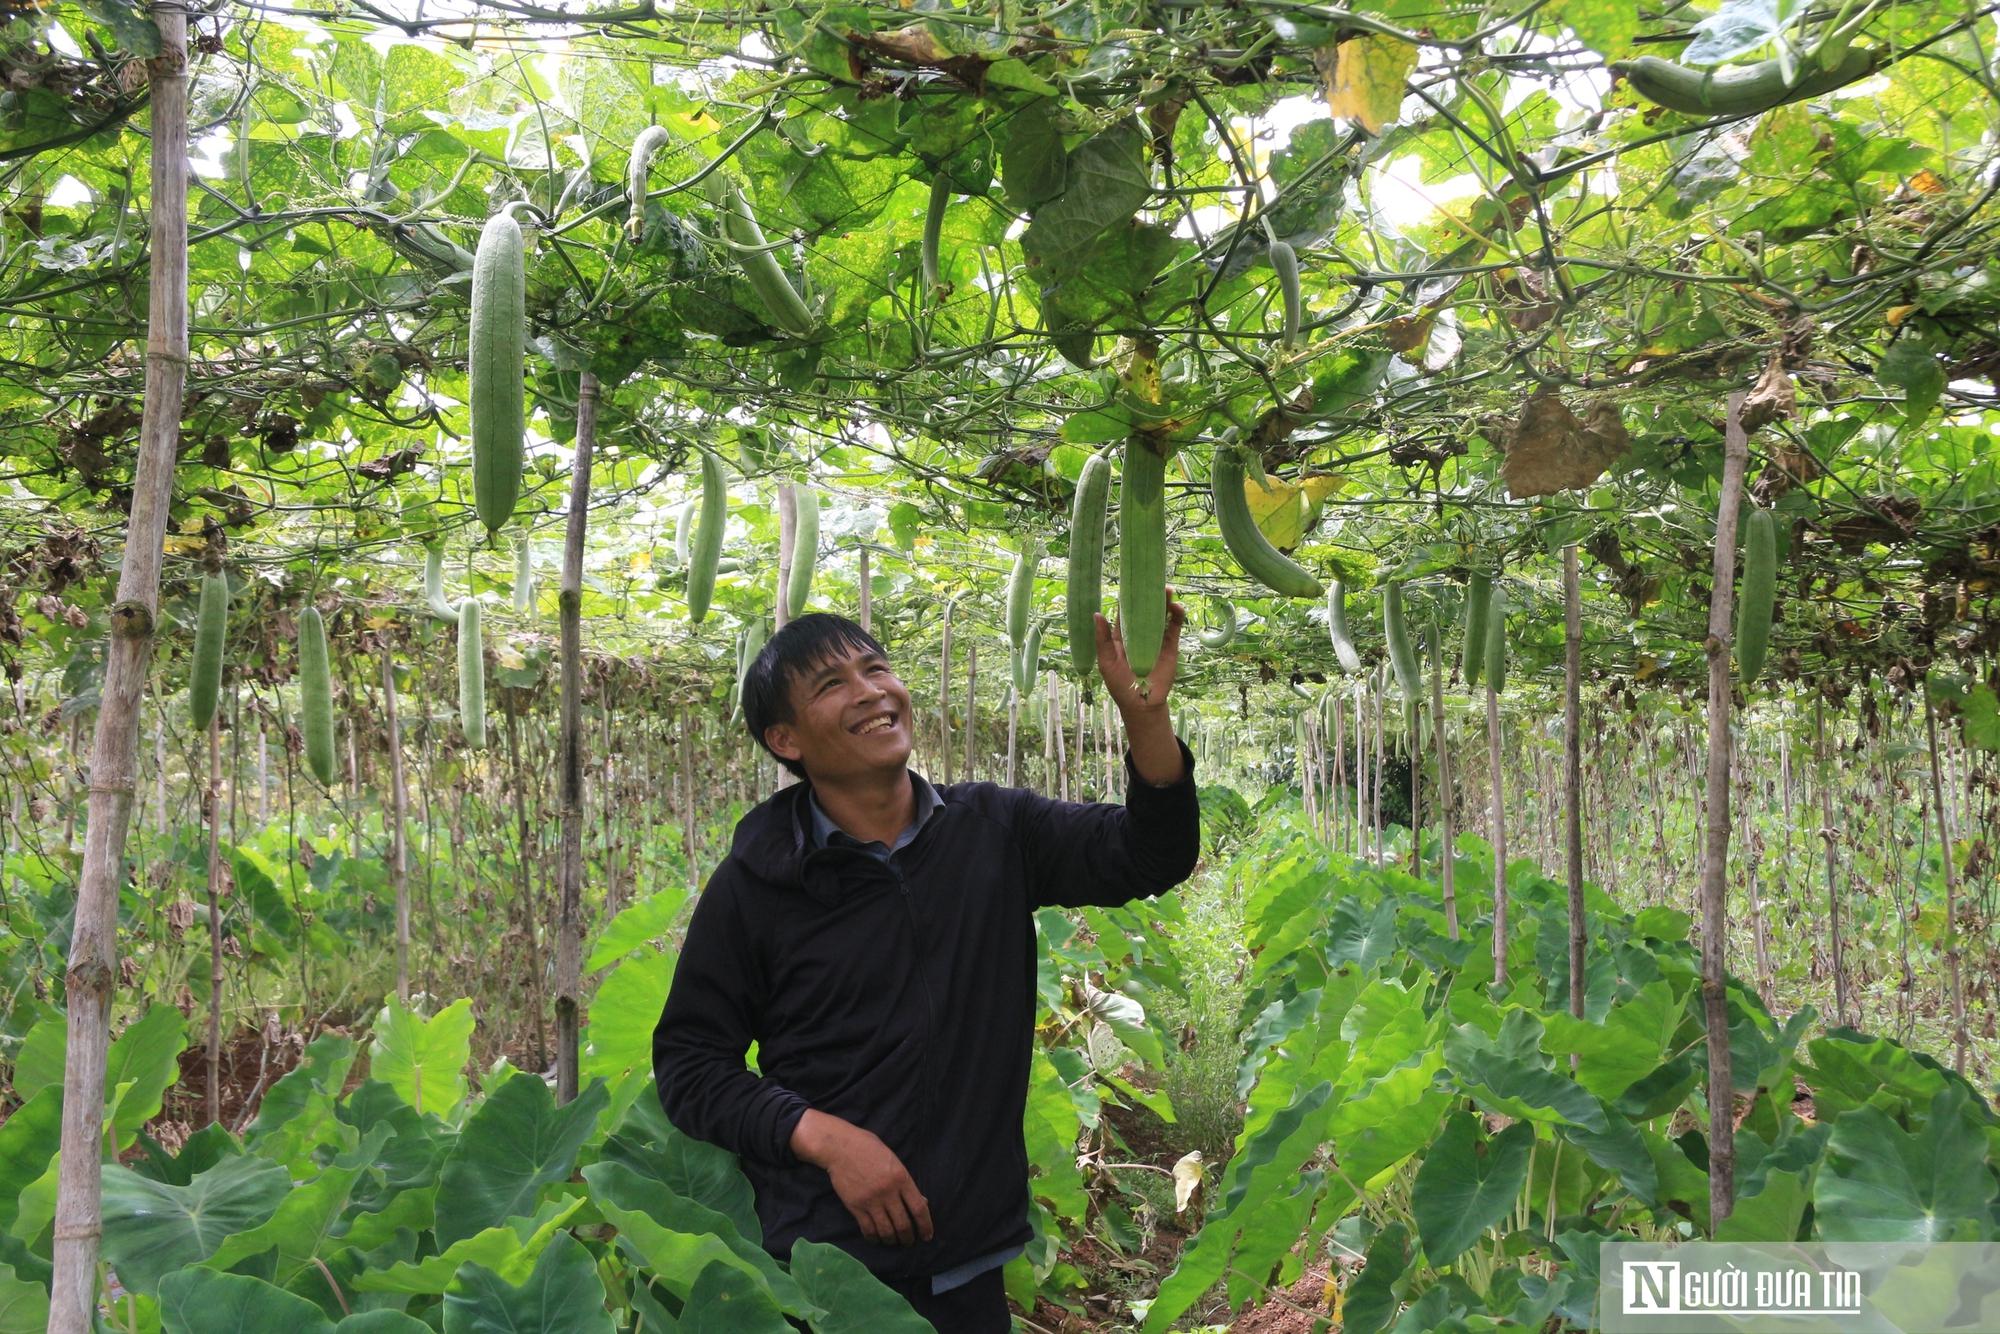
899	996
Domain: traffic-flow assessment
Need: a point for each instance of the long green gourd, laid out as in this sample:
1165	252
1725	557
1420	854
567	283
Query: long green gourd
496	356
684	530
1478	606
1757	596
1142	555
1336	624
471	675
1285	263
1027	661
638	168
1085	582
1246	542
1402	655
316	695
1494	670
1021	594
753	252
440	606
1746	89
205	671
524	577
933	230
805	549
707	551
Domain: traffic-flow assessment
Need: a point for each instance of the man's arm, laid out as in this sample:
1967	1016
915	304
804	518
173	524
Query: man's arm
1107	855
711	1018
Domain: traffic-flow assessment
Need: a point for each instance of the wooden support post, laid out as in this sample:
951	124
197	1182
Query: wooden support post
399	805
1579	938
569	758
1715	842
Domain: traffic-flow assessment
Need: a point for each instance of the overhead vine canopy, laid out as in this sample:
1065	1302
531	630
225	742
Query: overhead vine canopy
1537	247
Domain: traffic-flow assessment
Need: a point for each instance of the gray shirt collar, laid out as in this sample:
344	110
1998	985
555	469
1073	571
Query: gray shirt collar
825	833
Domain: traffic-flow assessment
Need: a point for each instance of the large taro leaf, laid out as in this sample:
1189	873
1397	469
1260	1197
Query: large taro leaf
648	1143
1373	1297
625	1012
725	1300
304	1219
410	1156
28	1141
1467	1184
381	1322
300	1105
1772	1214
1629	1044
562	1295
24	1304
1105	183
510	1250
201	1301
39	1063
638	926
1619	1148
677	1238
142	1063
423	1060
1508	1074
1880	1183
152	1229
516	1143
855	1301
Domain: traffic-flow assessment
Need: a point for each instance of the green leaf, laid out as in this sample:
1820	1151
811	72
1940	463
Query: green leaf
1033	162
1772	1214
676	1237
152	1229
855	1300
516	1143
145	1056
650	919
423	1060
1615	1054
201	1301
1619	1148
563	1295
303	1221
1376	1294
1981	708
1467	1184
24	1304
625	1012
28	1141
510	1250
705	1173
1880	1183
381	1322
725	1300
1912	366
39	1063
301	1104
1509	1075
1106	182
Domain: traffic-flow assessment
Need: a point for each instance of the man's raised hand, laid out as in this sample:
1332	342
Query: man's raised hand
868	1176
1128	692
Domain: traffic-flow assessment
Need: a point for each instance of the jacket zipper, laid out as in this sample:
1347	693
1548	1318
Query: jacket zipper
930	1013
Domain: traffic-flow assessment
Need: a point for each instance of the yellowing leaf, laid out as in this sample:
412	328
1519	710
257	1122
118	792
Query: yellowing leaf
181	546
1368	79
1187	1176
1281	512
1926	182
1897	314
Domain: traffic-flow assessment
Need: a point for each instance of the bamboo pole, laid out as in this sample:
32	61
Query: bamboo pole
1444	793
1715	847
1959	1036
867	595
93	967
569	761
399	806
1579	938
209	813
972	711
93	957
1494	761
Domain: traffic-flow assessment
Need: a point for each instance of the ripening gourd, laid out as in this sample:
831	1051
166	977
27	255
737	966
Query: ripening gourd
706	552
1758	594
805	549
1478	606
205	670
316	695
1142	555
471	675
1085	579
496	356
1402	654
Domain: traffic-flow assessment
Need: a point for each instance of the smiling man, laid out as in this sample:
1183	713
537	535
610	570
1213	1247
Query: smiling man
874	935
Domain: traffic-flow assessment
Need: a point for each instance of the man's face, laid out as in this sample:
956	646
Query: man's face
850	717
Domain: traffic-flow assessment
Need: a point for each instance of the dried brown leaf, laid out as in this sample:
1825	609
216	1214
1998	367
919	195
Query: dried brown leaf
1551	450
1774	398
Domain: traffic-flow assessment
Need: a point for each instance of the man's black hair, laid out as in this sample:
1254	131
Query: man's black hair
801	648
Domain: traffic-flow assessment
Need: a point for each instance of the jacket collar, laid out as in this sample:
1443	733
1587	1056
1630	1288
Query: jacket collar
775	843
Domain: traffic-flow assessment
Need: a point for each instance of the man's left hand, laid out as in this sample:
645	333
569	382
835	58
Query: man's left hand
1156	754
